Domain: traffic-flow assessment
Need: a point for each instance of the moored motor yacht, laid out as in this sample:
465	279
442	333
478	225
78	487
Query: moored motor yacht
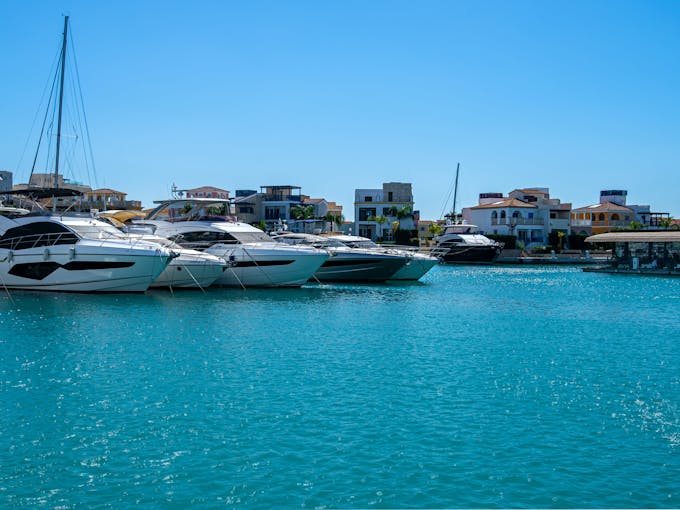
348	264
190	269
460	243
39	252
253	258
417	265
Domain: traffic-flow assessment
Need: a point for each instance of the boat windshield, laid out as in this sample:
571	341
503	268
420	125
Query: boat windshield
99	231
190	210
366	245
252	237
309	240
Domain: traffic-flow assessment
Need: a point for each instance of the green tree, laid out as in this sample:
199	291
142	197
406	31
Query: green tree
395	228
635	225
302	212
334	219
435	229
666	222
380	220
403	213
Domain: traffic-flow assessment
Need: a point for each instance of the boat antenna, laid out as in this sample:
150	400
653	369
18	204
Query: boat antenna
455	194
61	101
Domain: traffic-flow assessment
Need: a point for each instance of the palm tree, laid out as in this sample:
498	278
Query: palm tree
666	222
334	219
380	220
302	212
395	228
403	212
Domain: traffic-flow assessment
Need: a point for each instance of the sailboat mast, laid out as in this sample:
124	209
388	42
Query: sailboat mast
455	193
61	101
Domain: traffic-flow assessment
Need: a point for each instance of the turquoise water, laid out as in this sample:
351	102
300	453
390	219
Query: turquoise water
482	387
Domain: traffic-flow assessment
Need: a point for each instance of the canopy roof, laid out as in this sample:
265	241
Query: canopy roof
38	193
122	216
649	236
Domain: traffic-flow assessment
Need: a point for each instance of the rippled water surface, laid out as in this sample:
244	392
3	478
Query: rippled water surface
481	387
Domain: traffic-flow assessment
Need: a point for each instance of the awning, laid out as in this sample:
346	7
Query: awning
648	236
38	193
122	216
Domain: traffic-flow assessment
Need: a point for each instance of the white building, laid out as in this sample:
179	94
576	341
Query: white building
528	213
393	204
208	192
612	212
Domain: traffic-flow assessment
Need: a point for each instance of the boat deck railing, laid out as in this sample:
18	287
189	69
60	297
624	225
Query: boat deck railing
38	240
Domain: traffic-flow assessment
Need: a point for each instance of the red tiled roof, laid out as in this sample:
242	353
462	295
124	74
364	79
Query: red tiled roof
207	188
104	191
532	191
606	206
502	204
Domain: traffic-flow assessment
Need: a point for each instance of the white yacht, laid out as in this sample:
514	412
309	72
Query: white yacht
253	258
417	264
348	264
40	252
191	269
461	244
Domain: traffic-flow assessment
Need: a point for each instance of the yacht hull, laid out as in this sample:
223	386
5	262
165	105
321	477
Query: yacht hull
470	255
84	267
190	272
260	266
415	269
348	267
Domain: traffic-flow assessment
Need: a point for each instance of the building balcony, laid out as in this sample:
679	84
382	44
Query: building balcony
518	221
279	197
613	223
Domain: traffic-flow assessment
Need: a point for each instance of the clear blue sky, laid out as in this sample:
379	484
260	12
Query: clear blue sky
578	96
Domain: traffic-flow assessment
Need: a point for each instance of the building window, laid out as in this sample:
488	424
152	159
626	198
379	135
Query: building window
368	199
390	196
365	213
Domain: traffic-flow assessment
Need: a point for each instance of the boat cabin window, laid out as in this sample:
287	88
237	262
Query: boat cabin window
203	238
33	235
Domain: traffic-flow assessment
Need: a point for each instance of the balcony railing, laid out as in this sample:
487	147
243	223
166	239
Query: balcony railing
517	221
280	197
615	223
